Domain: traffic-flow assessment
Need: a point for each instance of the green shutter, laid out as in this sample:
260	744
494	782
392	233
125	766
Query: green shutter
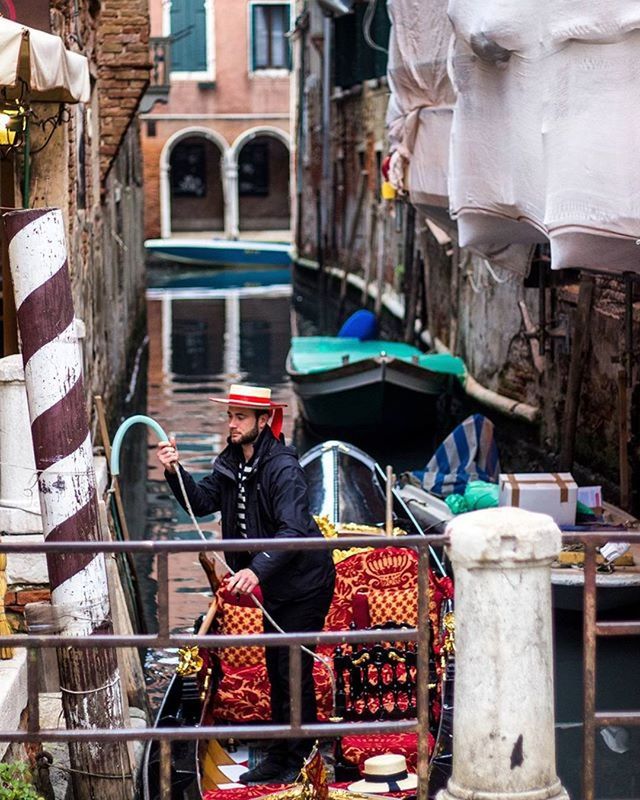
253	38
188	36
354	60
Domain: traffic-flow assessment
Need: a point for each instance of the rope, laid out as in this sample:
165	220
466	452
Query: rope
126	776
37	472
316	656
91	691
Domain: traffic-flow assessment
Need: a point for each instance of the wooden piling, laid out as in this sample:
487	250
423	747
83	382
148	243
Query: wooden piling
90	681
579	355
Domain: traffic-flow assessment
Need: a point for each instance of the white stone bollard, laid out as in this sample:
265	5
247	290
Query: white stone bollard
503	720
19	500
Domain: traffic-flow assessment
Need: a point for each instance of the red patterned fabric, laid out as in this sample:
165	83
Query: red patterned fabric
384	569
357	749
387	573
250	792
236	620
393	605
243	695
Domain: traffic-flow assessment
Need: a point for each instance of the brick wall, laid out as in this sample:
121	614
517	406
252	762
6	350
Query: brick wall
152	148
92	170
122	51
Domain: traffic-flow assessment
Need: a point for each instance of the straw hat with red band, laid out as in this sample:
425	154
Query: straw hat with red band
256	397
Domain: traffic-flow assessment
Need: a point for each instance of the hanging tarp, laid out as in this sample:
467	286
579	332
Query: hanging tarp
546	129
40	61
420	114
421	104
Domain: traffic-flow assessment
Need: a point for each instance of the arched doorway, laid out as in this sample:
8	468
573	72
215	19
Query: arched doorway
196	185
263	183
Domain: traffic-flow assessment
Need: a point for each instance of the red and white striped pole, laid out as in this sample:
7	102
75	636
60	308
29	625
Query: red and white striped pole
90	681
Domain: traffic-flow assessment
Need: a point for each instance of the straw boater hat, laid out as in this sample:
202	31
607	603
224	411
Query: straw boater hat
257	397
386	773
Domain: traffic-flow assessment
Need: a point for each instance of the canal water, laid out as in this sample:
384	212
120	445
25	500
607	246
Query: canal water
209	329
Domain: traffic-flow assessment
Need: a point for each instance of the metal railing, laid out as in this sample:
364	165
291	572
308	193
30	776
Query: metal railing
162	550
591	630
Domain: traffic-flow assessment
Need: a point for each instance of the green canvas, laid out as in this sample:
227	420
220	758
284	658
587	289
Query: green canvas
311	354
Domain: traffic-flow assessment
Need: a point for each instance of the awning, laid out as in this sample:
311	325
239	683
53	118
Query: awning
50	71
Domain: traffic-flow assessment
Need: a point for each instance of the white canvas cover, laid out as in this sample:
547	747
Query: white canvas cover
51	72
546	130
421	104
420	113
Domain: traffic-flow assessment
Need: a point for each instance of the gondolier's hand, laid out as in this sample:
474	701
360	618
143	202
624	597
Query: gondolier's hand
167	453
243	582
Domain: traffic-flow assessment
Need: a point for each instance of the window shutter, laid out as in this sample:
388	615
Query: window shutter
260	37
188	20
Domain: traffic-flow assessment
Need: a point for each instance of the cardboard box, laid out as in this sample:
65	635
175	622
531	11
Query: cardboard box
553	493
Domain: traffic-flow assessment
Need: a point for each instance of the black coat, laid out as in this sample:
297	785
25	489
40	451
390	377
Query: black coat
277	506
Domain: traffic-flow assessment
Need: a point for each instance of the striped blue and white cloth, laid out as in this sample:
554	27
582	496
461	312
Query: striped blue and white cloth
469	453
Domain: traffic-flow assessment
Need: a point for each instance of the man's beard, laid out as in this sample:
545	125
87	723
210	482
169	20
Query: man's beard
251	436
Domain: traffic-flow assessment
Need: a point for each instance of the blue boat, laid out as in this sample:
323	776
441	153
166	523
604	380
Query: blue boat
220	252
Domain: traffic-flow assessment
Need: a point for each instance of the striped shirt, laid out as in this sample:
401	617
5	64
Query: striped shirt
244	470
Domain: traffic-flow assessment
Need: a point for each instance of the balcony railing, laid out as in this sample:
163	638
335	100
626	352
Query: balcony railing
160	83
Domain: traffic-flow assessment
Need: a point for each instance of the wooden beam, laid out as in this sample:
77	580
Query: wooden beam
9	324
579	355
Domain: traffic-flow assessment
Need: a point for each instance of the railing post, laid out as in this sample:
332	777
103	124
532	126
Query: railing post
503	729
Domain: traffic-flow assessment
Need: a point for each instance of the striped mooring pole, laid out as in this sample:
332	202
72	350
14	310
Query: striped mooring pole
89	678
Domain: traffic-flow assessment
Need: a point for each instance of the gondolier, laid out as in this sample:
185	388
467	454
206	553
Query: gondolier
259	487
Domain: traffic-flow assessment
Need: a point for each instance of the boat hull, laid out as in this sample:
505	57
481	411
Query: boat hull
613	591
367	394
180	706
220	253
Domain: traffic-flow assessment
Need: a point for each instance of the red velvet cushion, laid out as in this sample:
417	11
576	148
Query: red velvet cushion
358	748
237	599
360	611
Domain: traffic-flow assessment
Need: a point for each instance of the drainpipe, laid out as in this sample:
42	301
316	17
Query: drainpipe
489	398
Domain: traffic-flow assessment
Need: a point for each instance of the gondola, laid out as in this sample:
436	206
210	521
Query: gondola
351	384
348	491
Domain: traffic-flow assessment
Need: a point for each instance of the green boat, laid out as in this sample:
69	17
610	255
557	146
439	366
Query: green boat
349	383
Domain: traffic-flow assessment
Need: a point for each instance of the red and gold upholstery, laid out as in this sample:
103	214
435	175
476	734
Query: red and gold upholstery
251	792
377	586
357	749
397	605
235	619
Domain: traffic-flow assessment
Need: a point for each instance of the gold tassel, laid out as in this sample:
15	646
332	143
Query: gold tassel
5	628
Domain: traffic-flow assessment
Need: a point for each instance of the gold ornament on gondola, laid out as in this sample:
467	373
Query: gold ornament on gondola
190	662
449	625
5	628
